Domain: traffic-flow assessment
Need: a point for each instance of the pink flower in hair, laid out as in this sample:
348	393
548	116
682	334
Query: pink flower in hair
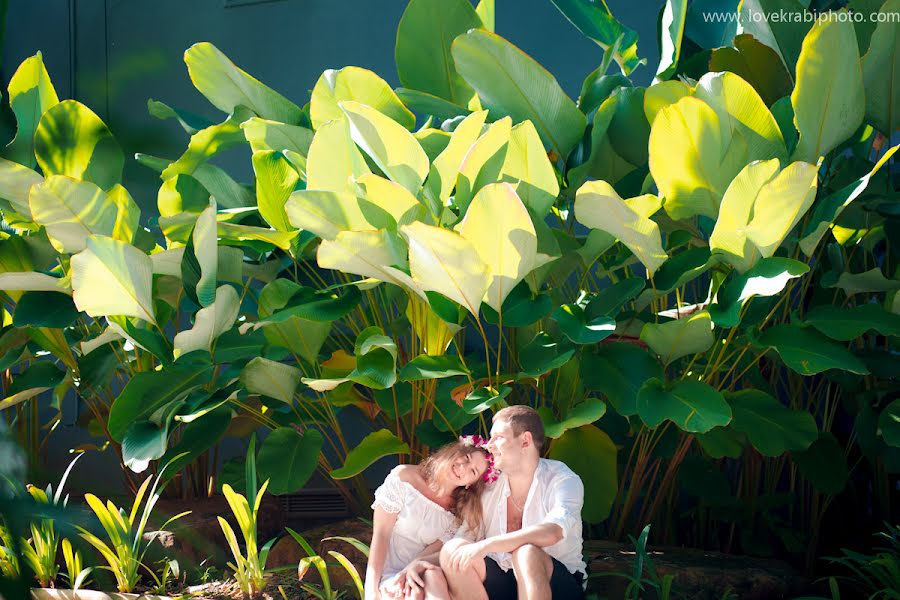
490	474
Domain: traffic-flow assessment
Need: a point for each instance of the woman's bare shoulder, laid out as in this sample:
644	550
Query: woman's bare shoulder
409	474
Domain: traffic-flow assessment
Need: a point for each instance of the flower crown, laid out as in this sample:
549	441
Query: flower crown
490	474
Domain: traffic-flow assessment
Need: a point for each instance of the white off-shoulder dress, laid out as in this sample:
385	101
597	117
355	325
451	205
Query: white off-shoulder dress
420	522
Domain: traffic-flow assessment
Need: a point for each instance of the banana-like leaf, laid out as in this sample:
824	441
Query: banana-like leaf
72	210
509	82
292	140
828	209
270	378
444	169
302	336
275	181
443	261
16	182
592	454
671	34
110	277
31	93
528	168
422	53
359	85
227	86
288	459
71	140
881	71
598	23
394	149
374	446
326	213
740	106
370	254
499	228
597	205
334	161
391	197
209	323
30	281
829	99
483	162
208	142
771	427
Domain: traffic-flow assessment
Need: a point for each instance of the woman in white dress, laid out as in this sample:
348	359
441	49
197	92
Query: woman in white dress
417	508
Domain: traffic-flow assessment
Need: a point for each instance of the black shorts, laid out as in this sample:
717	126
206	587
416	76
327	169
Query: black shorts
501	585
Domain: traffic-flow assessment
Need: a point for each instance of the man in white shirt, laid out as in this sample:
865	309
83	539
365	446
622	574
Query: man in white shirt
530	546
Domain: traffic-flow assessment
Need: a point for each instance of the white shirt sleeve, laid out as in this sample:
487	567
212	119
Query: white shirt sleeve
565	499
390	494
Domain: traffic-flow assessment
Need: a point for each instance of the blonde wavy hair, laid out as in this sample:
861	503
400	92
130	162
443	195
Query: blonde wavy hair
466	501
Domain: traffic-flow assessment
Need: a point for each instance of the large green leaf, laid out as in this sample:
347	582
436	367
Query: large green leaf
693	406
209	323
302	336
739	105
110	277
144	441
370	254
31	93
680	337
693	157
767	278
824	464
275	181
872	280
597	22
845	324
619	370
527	167
499	228
759	208
482	163
422	54
199	267
36	379
270	378
591	453
226	86
509	82
394	149
359	85
671	35
597	205
44	309
326	213
808	352
783	33
484	398
197	437
584	413
445	168
392	198
432	367
755	63
374	365
149	391
376	445
263	134
71	140
881	71
72	210
828	209
443	261
603	162
829	99
581	329
771	427
312	304
208	142
543	354
288	459
16	182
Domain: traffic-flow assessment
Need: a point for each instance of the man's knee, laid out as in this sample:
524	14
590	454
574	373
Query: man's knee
532	560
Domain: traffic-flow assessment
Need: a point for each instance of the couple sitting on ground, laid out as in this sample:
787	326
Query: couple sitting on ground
480	519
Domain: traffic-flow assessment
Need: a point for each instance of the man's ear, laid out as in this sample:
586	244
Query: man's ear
527	439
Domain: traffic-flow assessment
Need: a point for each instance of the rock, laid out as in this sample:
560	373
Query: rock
698	573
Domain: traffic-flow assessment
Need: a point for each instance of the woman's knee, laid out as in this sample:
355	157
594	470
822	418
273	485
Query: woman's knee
434	579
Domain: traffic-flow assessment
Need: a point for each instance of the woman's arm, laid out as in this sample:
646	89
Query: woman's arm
383	525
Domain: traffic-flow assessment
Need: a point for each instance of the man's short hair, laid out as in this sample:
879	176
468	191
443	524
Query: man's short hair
521	419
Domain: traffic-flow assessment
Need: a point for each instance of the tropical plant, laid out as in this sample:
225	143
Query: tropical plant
126	542
170	571
326	590
249	566
9	560
76	573
876	574
41	549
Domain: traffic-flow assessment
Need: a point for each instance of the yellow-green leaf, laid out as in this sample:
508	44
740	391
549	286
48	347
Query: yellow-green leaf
71	210
356	84
110	277
209	323
881	71
31	93
681	337
334	160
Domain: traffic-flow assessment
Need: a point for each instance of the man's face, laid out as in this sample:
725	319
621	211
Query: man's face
504	445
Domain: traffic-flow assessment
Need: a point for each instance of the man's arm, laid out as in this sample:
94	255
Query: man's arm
542	535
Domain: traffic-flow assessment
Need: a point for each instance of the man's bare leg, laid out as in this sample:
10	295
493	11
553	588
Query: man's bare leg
436	585
533	568
467	584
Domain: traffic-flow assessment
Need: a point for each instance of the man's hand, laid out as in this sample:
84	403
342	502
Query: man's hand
464	556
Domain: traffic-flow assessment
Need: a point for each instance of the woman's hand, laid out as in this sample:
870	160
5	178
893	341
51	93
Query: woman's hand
410	578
